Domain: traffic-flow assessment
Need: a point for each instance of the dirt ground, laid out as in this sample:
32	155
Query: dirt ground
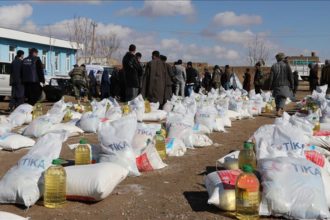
175	192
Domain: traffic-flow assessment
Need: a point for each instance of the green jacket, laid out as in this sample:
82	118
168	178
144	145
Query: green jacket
78	74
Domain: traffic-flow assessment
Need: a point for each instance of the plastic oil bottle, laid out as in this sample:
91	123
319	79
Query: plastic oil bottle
88	107
68	115
160	145
247	195
82	153
126	109
147	107
55	185
317	125
37	111
247	156
163	131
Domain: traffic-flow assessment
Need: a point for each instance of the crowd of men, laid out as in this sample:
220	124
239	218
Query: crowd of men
26	78
156	80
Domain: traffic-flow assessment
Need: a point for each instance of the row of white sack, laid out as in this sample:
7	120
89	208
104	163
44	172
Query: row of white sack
116	147
294	188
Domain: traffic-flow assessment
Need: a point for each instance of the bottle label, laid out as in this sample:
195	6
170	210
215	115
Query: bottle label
143	163
315	157
247	198
169	143
228	178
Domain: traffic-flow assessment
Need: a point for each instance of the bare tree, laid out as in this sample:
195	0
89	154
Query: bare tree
257	51
106	46
80	32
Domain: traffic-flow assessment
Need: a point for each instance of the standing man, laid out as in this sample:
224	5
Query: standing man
295	82
133	72
216	77
79	80
154	83
138	56
258	78
180	78
247	80
281	82
192	75
32	76
225	78
17	87
313	78
105	85
92	84
325	75
169	77
207	80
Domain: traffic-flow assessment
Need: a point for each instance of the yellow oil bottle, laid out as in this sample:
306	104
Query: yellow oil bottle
317	126
147	107
247	156
37	111
82	153
68	115
160	145
163	131
247	195
126	109
55	185
88	107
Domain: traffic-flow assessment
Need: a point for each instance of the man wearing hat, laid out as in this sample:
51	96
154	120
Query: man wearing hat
258	78
281	82
216	77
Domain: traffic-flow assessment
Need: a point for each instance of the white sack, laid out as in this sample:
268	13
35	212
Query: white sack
12	141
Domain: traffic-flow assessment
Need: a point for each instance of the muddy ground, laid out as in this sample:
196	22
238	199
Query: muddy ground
175	192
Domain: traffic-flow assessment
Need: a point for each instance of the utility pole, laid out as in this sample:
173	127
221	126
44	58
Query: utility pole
94	25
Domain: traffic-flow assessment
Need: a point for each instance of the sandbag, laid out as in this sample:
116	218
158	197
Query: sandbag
182	131
116	139
149	159
114	113
21	115
12	141
175	147
143	135
201	140
137	106
206	116
157	115
220	186
292	188
38	127
11	216
93	182
70	129
89	122
20	184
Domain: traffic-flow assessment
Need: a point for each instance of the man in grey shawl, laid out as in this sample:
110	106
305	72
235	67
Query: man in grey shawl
281	82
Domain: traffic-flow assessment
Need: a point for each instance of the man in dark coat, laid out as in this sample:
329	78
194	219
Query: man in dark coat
138	56
154	82
105	85
207	80
115	84
32	76
258	78
169	77
133	72
225	78
325	74
247	80
281	82
216	77
295	82
17	87
313	78
191	81
92	84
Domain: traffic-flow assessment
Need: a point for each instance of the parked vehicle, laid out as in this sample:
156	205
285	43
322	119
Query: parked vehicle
5	89
58	87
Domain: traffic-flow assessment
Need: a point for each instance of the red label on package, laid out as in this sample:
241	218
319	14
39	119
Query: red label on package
228	178
315	157
143	163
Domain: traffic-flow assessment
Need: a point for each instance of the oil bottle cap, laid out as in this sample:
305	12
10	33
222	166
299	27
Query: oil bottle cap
158	132
57	161
247	168
248	145
82	141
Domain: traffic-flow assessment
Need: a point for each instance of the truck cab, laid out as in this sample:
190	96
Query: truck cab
5	88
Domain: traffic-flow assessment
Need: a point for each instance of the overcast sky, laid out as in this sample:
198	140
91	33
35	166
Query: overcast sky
216	32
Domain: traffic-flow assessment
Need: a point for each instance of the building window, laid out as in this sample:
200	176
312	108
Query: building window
57	62
68	63
44	58
12	51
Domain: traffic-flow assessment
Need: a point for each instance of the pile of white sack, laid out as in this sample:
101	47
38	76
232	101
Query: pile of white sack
126	141
293	163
